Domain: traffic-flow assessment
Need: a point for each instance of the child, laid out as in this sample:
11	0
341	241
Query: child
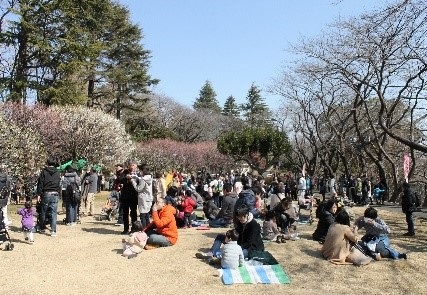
187	206
27	221
270	231
232	254
136	242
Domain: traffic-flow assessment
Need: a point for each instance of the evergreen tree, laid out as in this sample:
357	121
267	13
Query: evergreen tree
231	108
255	110
207	99
72	52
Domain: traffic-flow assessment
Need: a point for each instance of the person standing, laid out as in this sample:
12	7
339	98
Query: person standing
48	188
92	182
129	196
5	188
70	178
408	207
145	194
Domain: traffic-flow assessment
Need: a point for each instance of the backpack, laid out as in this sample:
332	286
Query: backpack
72	191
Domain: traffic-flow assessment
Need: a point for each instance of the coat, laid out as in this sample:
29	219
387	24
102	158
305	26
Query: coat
145	193
232	255
188	205
165	224
325	220
408	201
337	243
250	235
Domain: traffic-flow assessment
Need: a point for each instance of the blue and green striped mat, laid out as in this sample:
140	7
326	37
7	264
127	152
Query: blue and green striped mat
255	274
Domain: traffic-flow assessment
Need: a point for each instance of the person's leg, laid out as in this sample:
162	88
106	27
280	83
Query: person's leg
90	203
145	219
43	210
381	248
215	223
133	214
284	223
73	212
53	206
120	214
216	246
31	236
68	212
125	217
410	222
156	239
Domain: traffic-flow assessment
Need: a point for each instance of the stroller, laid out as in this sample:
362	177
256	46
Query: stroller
4	234
111	207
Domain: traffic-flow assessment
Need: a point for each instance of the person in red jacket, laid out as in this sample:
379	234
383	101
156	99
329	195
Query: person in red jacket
187	206
162	231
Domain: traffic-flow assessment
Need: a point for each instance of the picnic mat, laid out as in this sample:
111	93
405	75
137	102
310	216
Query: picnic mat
255	274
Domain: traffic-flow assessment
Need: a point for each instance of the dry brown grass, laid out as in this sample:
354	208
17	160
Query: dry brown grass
85	259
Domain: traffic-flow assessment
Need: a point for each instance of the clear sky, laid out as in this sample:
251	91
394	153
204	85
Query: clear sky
231	43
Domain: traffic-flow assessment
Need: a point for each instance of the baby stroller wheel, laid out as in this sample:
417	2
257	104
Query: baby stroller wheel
9	247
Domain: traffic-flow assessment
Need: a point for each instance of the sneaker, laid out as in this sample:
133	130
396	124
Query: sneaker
131	256
377	257
68	224
32	242
26	239
53	234
73	223
200	255
403	256
42	231
408	234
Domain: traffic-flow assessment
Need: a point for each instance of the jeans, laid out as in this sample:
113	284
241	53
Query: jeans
49	205
410	222
155	238
216	247
220	222
120	217
145	219
187	219
71	211
285	222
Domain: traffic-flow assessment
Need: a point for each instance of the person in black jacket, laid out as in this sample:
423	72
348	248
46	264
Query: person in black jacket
129	196
48	188
249	235
326	218
409	206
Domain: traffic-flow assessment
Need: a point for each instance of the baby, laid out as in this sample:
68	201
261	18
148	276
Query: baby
135	243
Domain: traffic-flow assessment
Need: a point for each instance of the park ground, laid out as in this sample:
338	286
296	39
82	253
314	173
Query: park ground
85	259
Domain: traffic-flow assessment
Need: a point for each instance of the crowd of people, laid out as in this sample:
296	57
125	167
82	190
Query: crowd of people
150	210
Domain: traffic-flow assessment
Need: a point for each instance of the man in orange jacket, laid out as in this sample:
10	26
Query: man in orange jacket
162	231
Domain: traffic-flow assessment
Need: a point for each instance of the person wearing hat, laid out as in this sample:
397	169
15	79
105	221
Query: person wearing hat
48	188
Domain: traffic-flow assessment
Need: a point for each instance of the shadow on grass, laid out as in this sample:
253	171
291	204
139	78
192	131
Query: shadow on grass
312	252
118	251
210	235
102	231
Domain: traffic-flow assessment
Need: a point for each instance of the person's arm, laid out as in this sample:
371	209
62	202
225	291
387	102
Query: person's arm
380	224
350	235
164	221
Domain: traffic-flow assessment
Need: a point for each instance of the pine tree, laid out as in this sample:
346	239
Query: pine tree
207	99
255	110
231	108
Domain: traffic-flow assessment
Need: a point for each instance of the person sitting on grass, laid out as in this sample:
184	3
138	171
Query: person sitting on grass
336	248
210	209
162	231
270	232
326	214
249	235
231	256
375	242
285	215
136	242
